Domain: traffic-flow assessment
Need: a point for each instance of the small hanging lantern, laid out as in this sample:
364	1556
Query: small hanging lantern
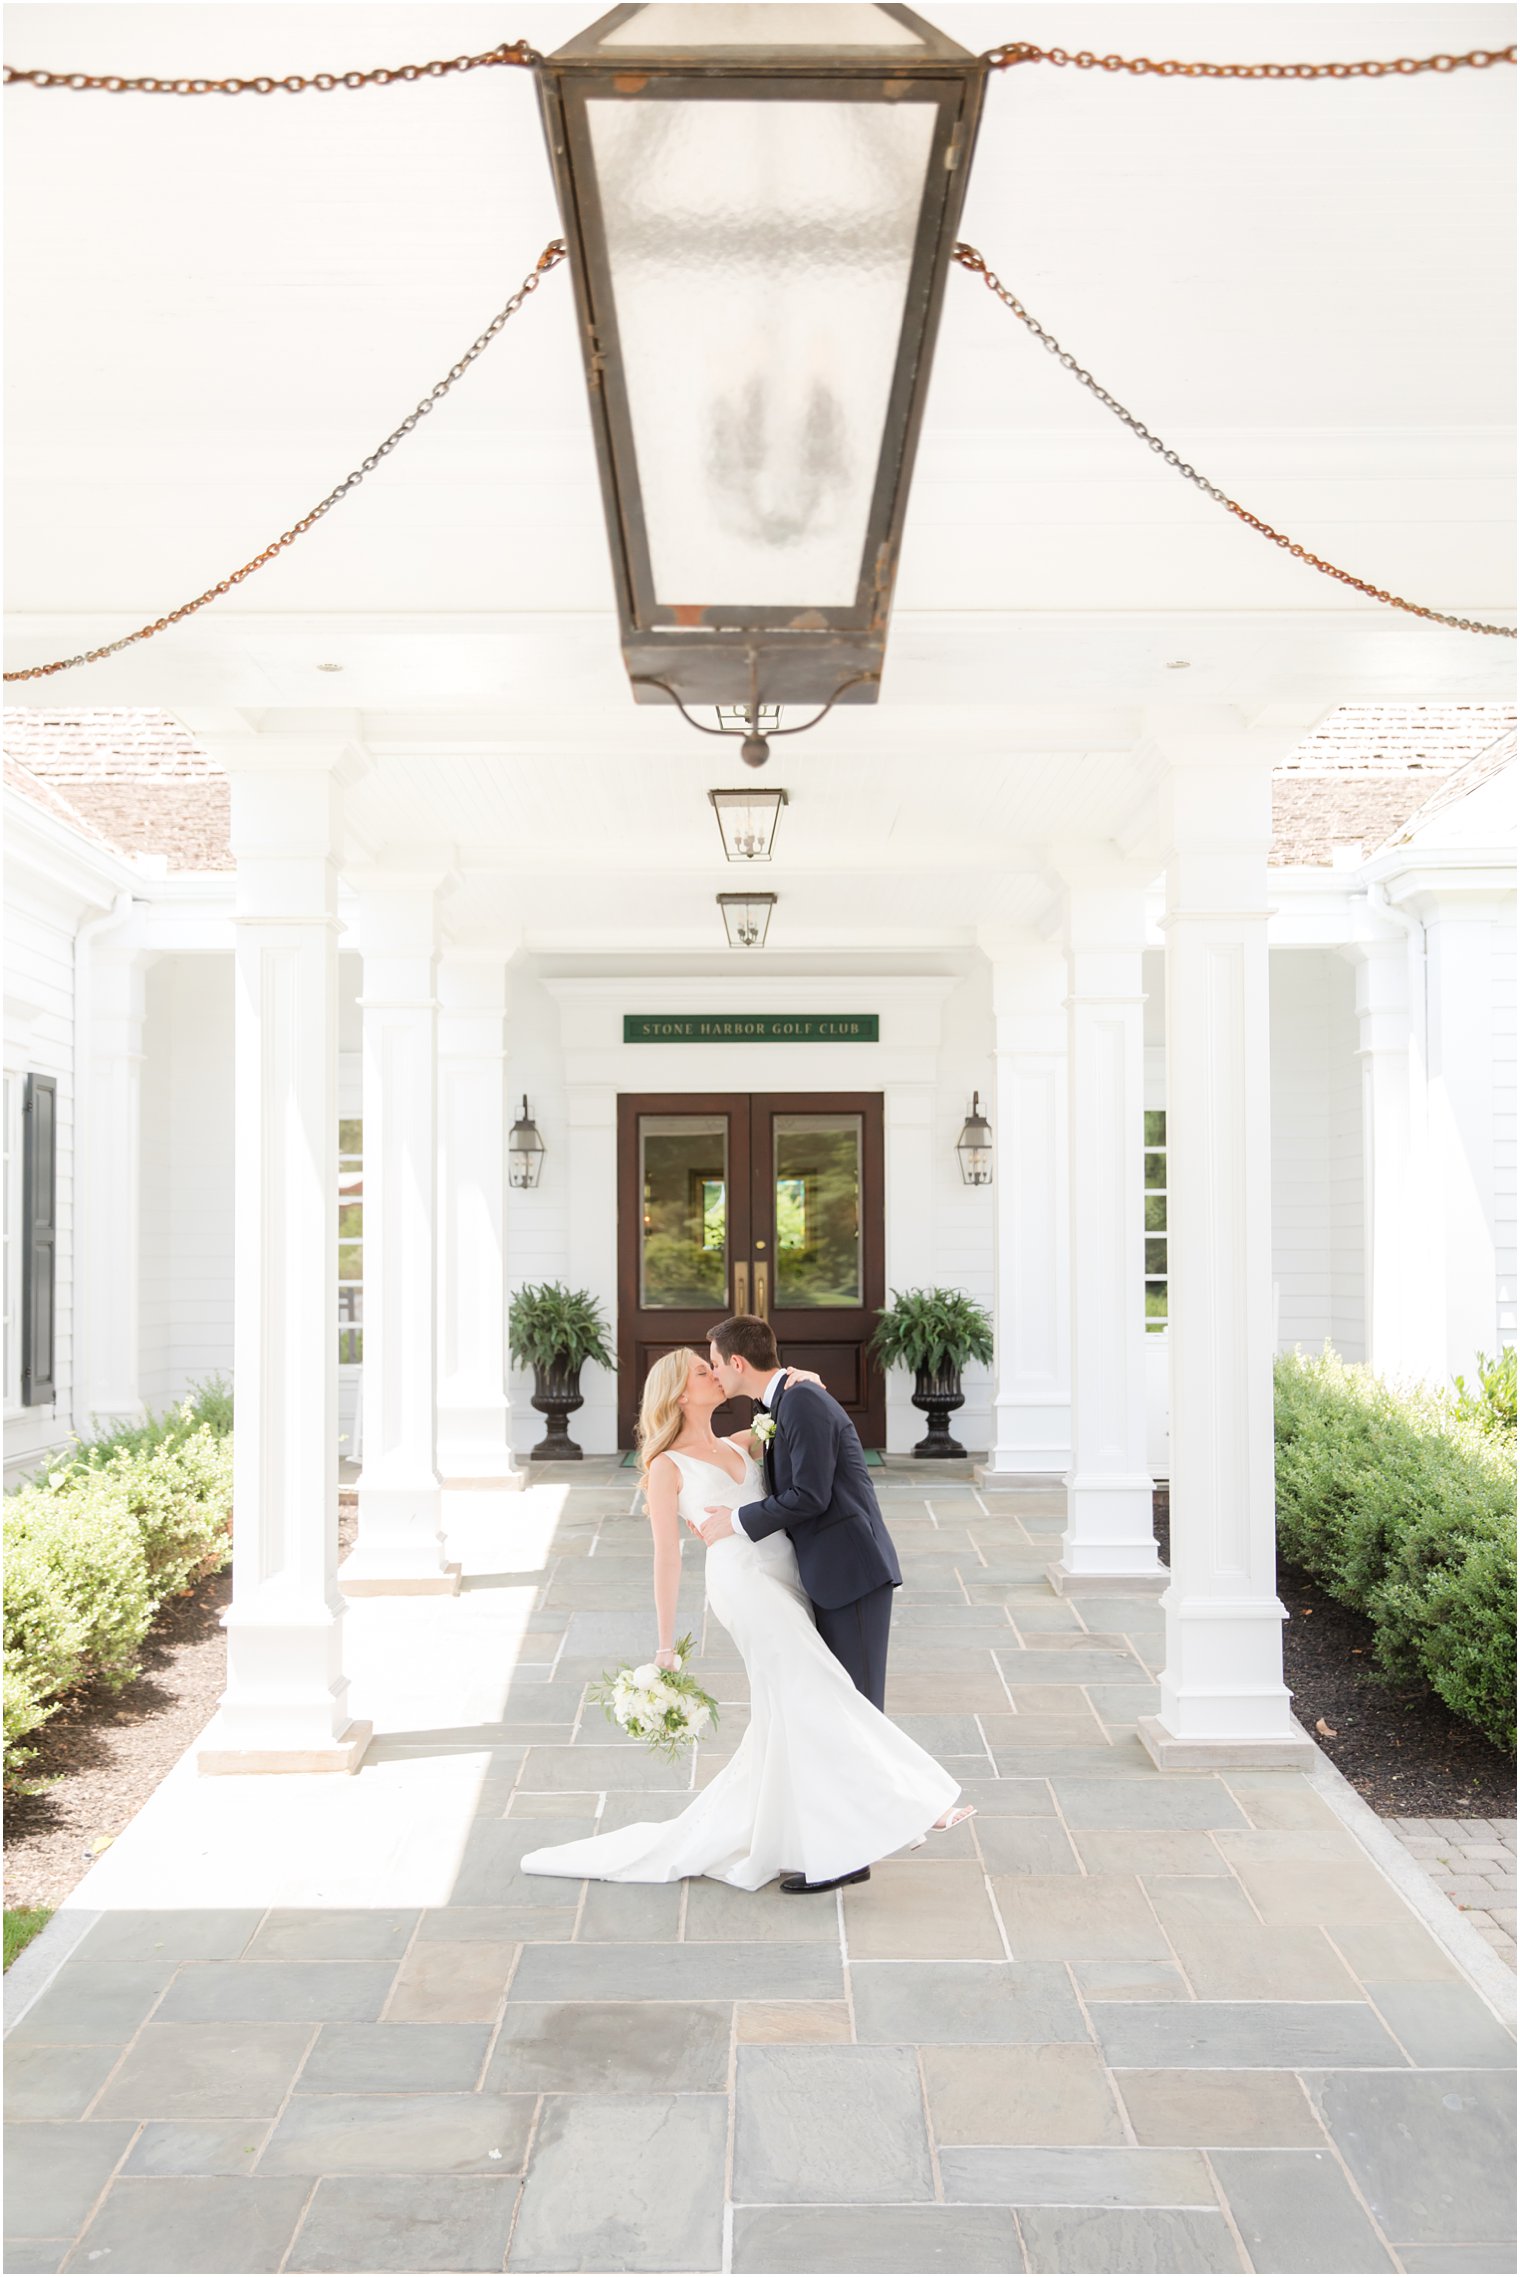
760	205
746	918
525	1151
974	1146
747	822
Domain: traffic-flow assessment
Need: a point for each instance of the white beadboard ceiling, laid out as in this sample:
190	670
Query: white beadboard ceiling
216	307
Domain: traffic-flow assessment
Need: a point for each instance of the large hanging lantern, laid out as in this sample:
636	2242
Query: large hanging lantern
760	204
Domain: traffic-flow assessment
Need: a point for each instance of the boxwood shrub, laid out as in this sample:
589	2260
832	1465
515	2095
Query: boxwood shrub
1401	1503
94	1546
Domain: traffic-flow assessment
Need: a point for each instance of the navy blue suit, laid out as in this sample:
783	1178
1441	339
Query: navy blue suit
819	1491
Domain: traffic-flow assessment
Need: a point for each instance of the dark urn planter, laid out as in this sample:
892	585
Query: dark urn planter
937	1391
557	1394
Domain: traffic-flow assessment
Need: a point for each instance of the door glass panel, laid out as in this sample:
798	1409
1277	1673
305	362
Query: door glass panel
817	1200
683	1177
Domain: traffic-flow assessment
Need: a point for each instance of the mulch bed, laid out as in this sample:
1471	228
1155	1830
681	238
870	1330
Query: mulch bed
1400	1747
109	1750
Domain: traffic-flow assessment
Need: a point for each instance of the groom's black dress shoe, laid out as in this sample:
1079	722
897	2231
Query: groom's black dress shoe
797	1885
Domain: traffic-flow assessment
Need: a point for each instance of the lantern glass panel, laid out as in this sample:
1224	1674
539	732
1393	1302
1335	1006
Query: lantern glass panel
760	253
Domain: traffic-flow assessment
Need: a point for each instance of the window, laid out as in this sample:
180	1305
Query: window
1155	1222
350	1241
39	1238
12	1271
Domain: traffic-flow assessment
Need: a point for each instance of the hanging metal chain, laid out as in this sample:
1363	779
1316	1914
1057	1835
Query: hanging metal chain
970	258
1141	66
550	258
510	52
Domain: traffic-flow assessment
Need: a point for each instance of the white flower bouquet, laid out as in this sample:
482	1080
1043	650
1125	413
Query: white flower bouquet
665	1708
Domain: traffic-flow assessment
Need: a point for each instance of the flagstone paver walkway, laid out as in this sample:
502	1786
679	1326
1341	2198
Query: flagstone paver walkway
1120	2021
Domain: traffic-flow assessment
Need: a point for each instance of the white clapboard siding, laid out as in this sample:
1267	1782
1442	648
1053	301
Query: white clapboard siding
1504	1134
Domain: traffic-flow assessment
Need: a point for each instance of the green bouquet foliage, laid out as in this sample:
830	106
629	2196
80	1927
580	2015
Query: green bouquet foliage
95	1545
551	1326
934	1329
1402	1505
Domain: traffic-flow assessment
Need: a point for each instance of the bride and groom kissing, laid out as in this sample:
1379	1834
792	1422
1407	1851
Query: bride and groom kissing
800	1571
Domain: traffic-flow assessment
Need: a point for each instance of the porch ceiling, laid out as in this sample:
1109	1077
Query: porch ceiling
217	307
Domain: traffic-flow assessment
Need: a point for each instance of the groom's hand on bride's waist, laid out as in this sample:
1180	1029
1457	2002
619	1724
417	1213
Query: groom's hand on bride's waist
719	1524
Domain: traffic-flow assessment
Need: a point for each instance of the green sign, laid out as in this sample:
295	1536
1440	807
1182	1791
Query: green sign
751	1028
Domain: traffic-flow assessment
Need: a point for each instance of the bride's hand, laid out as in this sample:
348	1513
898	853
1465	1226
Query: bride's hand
801	1376
665	1657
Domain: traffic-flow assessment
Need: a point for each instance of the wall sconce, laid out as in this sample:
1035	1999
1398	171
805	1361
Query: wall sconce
974	1146
746	918
525	1151
747	822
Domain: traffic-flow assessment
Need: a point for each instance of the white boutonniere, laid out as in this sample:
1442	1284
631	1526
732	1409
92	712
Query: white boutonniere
764	1429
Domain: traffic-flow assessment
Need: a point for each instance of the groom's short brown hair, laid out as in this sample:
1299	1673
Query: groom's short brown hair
744	1337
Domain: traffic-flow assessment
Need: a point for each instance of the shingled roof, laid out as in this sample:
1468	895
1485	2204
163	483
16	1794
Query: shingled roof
1368	767
134	778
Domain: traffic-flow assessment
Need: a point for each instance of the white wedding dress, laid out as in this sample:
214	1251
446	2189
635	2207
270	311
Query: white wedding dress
821	1782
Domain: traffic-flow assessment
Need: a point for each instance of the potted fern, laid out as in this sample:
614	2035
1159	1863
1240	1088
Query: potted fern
554	1331
934	1332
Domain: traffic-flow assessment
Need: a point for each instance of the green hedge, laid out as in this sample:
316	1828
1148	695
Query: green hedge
1401	1503
94	1546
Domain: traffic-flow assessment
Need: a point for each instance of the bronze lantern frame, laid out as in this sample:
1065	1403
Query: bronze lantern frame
706	652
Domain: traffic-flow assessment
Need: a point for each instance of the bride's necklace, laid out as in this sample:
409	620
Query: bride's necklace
714	1459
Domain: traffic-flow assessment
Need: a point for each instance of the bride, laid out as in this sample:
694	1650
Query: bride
821	1780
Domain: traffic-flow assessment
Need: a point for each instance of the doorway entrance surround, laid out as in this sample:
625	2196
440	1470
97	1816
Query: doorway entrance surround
901	1068
763	1202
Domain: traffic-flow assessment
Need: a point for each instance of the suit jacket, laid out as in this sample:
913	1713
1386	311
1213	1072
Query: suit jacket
820	1492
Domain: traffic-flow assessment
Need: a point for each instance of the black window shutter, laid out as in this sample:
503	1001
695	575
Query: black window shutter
39	1208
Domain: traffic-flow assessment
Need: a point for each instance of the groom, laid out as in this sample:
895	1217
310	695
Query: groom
818	1490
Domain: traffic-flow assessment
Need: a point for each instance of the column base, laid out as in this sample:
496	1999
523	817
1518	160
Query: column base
1066	1583
1169	1753
1025	1479
442	1583
344	1754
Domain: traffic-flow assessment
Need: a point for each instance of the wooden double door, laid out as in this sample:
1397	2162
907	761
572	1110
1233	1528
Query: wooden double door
761	1202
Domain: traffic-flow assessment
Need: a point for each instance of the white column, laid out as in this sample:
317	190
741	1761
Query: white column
107	1286
1032	1410
474	1432
1110	1536
1223	1699
286	1703
1393	1246
400	1546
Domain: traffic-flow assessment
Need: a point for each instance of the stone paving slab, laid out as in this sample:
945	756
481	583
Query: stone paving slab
1121	2020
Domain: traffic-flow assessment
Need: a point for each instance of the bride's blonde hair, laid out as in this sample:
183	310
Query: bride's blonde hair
661	1419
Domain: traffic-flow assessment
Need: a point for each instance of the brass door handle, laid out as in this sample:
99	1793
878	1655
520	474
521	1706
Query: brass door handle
741	1288
762	1289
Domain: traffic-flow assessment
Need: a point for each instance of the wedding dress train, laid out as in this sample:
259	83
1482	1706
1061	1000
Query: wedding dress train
821	1782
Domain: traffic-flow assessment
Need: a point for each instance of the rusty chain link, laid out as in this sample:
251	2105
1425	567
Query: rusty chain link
518	52
510	52
550	258
1142	66
970	258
